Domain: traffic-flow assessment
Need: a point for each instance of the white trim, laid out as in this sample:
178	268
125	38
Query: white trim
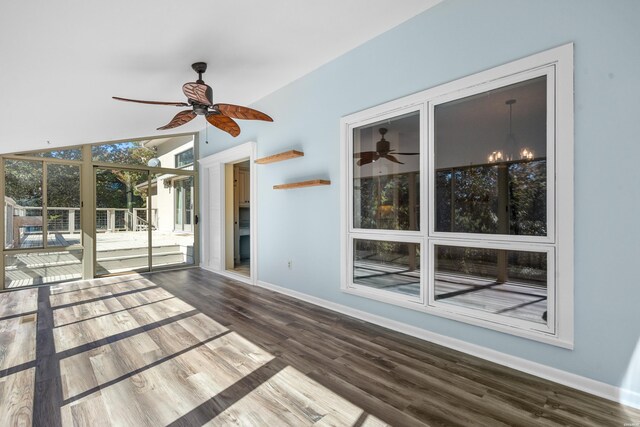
212	170
579	382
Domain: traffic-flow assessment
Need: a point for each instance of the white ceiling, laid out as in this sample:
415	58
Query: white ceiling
61	61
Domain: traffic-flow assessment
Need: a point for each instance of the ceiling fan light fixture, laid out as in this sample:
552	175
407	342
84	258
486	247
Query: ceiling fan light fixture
200	99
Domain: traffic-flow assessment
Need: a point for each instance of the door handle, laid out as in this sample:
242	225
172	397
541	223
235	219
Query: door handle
196	219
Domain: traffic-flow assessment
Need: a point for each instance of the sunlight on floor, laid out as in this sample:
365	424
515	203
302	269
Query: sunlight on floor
294	400
18	322
131	353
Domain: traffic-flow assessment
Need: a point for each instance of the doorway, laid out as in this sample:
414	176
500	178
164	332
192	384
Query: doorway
229	196
238	218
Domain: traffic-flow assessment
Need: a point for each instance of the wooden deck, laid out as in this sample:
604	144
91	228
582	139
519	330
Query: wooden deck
190	348
116	252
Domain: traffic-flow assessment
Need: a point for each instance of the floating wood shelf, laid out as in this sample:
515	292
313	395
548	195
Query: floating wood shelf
311	183
291	154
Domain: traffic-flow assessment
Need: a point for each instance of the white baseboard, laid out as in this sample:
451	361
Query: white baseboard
604	390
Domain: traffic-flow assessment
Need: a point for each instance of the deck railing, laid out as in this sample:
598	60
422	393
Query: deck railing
24	220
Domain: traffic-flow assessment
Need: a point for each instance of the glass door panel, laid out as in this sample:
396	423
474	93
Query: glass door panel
171	222
23	204
122	239
35	190
63	205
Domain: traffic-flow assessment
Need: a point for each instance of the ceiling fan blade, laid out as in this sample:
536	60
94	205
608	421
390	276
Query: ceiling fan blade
181	118
224	123
407	154
242	113
177	104
367	157
200	93
393	159
364	154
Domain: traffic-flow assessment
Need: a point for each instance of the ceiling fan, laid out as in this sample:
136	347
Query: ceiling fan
383	150
200	99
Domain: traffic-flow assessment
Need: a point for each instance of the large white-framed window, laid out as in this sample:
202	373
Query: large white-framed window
458	200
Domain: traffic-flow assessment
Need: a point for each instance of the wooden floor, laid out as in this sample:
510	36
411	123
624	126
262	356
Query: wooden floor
190	348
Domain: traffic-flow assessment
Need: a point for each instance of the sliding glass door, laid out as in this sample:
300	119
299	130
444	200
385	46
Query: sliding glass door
122	234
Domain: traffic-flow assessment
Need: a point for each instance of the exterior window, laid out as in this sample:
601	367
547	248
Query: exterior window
494	234
390	266
386	174
491	168
185	158
385	221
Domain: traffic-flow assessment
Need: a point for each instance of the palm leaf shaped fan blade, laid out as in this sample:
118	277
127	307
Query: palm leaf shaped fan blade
200	99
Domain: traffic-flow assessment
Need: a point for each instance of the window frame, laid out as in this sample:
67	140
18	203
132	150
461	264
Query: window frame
557	65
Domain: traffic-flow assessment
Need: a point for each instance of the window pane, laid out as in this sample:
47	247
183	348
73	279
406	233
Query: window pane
386	171
185	158
66	154
509	283
35	268
390	266
163	150
122	241
490	160
63	205
23	204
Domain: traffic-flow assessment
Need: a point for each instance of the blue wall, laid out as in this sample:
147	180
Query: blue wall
452	40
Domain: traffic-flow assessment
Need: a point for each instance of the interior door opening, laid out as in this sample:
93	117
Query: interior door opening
238	218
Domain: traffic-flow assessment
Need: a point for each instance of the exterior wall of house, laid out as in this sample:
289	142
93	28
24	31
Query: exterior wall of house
454	39
163	200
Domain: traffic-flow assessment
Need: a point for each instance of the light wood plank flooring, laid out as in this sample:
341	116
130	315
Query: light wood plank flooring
190	348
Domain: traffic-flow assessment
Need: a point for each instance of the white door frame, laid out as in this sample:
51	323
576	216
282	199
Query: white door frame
212	174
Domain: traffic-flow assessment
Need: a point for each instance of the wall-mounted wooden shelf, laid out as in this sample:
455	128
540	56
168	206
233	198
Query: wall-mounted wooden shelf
291	154
311	183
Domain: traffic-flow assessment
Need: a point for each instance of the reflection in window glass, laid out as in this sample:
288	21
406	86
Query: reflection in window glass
389	266
23	204
386	168
490	160
505	282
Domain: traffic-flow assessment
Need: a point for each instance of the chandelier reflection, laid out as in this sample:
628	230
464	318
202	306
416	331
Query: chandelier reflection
507	155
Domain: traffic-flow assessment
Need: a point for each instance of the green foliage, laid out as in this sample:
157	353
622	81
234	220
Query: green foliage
473	192
63	186
23	182
115	188
126	153
384	202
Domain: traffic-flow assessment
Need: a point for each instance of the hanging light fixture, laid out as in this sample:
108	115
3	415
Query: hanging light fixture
154	162
511	143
